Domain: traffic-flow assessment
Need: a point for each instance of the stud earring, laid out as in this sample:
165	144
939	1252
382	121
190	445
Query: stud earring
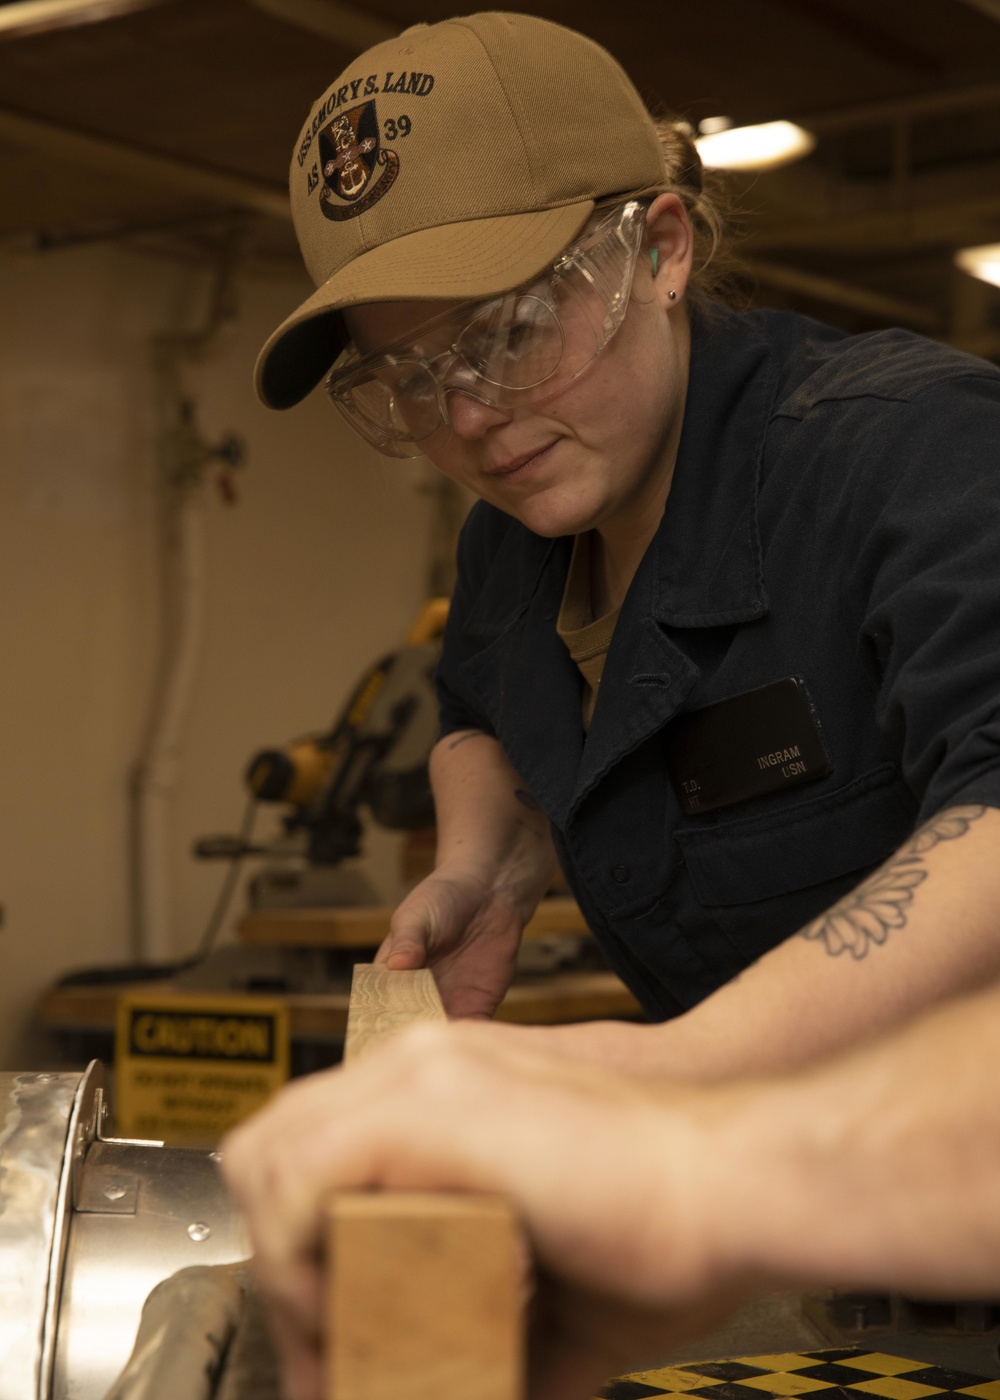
672	295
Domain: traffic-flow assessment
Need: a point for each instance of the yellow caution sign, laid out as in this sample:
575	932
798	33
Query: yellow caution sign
188	1066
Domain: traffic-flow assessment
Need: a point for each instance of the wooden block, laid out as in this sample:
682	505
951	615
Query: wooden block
423	1290
383	1003
423	1298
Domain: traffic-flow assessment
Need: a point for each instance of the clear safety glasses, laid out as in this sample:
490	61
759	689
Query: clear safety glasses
543	335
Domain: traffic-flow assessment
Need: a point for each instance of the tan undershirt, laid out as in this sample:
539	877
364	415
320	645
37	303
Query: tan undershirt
586	638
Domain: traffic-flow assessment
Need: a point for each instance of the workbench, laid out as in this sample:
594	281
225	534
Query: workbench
85	1015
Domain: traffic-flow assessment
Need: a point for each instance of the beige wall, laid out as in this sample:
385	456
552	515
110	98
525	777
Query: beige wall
318	569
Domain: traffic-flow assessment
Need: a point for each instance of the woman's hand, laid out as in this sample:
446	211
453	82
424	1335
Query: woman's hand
495	860
610	1179
463	928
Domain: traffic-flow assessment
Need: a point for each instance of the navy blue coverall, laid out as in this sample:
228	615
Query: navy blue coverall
834	515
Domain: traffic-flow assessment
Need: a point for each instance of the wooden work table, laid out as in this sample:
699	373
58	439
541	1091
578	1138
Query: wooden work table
364	926
550	1000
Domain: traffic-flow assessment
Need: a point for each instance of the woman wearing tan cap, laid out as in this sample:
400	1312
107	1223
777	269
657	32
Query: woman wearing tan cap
725	638
726	634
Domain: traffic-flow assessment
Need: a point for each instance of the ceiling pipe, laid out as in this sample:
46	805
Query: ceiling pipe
989	8
847	294
926	104
886	45
921	227
26	17
346	25
74	146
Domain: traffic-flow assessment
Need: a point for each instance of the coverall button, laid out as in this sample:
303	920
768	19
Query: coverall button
621	873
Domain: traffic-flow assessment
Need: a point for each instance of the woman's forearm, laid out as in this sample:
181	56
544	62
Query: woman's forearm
488	823
924	927
494	862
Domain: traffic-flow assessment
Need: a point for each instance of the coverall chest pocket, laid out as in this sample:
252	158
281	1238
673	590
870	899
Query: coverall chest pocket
762	878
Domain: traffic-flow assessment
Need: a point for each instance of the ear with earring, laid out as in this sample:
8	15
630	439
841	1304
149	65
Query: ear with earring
654	258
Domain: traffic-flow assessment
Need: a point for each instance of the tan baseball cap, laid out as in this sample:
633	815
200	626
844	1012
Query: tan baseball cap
454	161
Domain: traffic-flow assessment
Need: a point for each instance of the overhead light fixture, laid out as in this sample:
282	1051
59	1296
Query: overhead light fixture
723	146
982	262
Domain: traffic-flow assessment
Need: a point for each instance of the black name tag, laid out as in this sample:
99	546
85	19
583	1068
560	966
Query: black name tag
745	747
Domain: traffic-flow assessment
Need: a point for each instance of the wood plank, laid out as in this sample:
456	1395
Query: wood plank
423	1290
383	1003
364	926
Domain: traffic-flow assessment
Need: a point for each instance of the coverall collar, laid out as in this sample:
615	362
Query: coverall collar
703	569
706	553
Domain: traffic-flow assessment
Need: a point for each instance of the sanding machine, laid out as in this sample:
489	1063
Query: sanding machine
90	1225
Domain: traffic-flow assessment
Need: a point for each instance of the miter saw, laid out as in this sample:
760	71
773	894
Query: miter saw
374	756
372	759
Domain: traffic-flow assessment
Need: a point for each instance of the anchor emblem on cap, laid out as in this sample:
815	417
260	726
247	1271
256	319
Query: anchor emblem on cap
355	170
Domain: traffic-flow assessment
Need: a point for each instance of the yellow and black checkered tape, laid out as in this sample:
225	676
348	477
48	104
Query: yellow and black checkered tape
848	1374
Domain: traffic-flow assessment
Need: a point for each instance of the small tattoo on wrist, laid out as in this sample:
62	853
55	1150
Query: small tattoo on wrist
461	738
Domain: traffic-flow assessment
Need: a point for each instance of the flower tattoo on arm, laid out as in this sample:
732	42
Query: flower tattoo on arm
882	902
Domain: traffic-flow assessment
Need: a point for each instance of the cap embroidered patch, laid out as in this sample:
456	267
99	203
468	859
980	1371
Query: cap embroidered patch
356	172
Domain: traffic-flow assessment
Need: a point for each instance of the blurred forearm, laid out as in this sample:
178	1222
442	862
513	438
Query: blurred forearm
880	1169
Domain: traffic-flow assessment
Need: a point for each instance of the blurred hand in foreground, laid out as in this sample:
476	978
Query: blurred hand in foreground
650	1208
601	1171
